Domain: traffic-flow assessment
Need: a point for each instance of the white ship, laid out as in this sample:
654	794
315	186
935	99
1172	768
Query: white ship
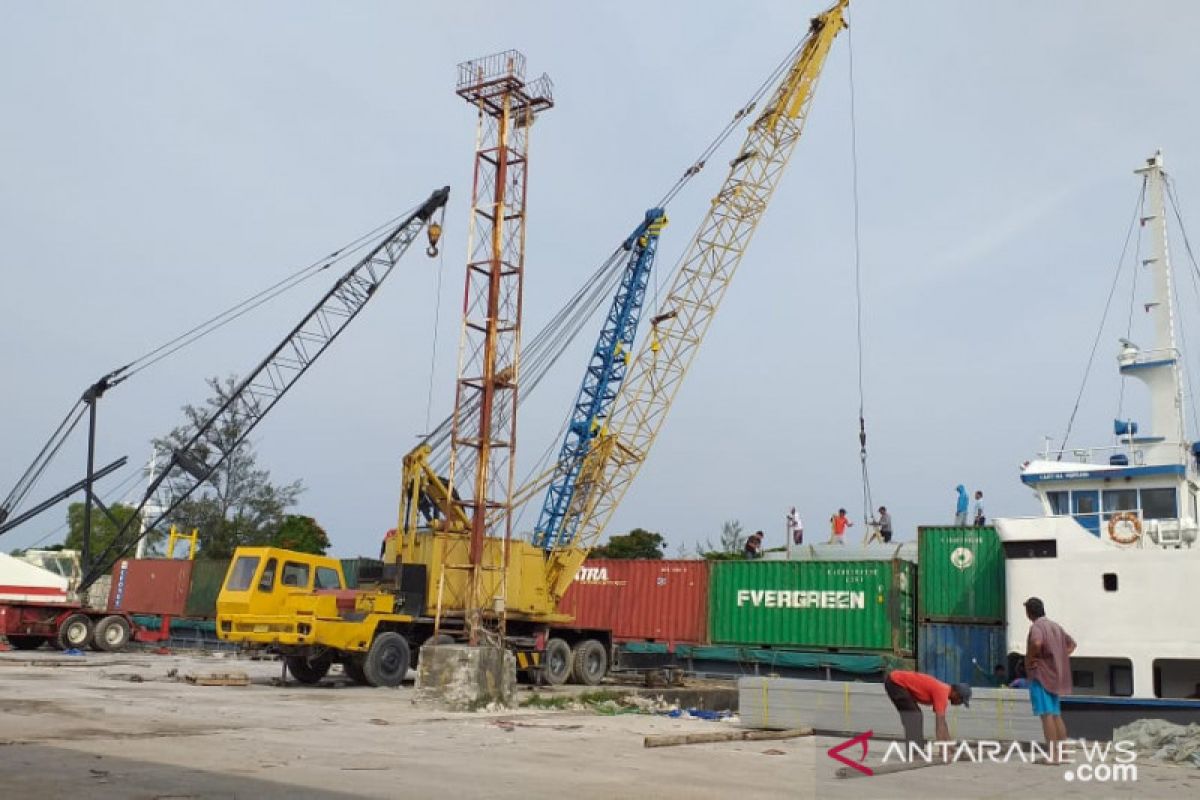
1114	554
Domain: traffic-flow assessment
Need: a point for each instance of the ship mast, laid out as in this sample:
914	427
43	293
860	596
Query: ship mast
1159	367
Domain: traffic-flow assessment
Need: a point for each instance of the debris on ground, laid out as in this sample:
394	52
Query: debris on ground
710	737
611	703
218	679
1163	741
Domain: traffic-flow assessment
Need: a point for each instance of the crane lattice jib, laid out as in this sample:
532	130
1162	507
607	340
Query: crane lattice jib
701	281
185	471
603	378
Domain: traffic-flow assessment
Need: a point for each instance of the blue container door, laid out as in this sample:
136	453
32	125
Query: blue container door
1085	507
956	652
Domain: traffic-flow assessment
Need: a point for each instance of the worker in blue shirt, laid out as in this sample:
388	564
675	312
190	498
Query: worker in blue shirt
960	511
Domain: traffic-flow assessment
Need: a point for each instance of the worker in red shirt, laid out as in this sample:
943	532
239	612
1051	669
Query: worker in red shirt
911	690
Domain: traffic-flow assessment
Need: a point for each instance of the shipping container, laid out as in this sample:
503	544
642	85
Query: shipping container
208	575
962	575
837	605
361	570
961	652
150	586
641	600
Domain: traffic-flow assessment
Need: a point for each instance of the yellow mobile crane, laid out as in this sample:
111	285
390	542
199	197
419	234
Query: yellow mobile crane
424	597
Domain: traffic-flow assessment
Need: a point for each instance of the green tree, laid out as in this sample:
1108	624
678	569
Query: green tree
238	505
301	534
731	543
103	530
638	543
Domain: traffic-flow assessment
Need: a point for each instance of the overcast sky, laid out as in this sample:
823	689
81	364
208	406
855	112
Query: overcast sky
161	161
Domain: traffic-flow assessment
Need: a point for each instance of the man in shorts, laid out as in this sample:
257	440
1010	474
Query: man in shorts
1048	650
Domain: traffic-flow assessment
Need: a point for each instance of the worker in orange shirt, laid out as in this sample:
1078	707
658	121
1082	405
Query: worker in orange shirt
909	691
837	527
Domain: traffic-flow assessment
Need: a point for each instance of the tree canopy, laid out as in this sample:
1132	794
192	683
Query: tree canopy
638	543
301	534
731	543
103	530
239	504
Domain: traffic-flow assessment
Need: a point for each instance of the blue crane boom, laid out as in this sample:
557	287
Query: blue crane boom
601	381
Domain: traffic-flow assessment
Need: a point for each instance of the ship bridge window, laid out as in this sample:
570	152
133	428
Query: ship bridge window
1060	503
1119	500
1177	677
1159	504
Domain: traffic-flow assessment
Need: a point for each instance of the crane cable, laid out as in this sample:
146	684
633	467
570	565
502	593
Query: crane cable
1137	208
57	439
868	513
1194	274
1137	249
437	316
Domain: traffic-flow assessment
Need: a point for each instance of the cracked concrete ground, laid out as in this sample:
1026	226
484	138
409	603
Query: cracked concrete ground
120	726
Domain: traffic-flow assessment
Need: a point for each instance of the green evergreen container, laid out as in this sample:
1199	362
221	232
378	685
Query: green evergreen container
208	575
962	575
856	606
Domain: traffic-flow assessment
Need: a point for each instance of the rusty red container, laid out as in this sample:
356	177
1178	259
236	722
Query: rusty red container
659	601
150	586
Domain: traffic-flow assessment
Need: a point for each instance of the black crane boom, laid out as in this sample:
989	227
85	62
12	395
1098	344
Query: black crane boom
266	384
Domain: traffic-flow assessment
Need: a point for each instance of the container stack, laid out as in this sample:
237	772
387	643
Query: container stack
960	604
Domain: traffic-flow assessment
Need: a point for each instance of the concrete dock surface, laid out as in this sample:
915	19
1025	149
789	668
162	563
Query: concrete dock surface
127	726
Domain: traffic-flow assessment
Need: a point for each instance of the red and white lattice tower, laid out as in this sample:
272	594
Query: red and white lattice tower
484	436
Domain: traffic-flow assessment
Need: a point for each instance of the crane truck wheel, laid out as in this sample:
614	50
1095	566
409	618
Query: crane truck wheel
306	671
26	642
112	634
556	662
75	632
589	663
387	661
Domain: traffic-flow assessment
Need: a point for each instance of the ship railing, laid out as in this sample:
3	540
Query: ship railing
1134	451
1088	455
1140	357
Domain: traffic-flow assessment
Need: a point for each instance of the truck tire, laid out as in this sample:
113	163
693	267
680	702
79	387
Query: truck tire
75	632
556	662
353	668
589	663
112	634
26	642
306	671
387	661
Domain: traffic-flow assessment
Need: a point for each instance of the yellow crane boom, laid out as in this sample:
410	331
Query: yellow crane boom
697	291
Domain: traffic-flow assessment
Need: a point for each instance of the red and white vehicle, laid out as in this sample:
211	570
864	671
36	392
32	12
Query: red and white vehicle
38	607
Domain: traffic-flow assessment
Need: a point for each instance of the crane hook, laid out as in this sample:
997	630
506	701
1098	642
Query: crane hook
434	232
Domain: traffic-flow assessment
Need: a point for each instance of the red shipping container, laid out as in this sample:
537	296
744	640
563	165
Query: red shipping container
150	586
661	601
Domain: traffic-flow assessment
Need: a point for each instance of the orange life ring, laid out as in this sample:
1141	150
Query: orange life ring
1134	523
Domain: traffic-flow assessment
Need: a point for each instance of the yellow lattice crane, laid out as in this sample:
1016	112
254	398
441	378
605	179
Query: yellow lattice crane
426	596
697	290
